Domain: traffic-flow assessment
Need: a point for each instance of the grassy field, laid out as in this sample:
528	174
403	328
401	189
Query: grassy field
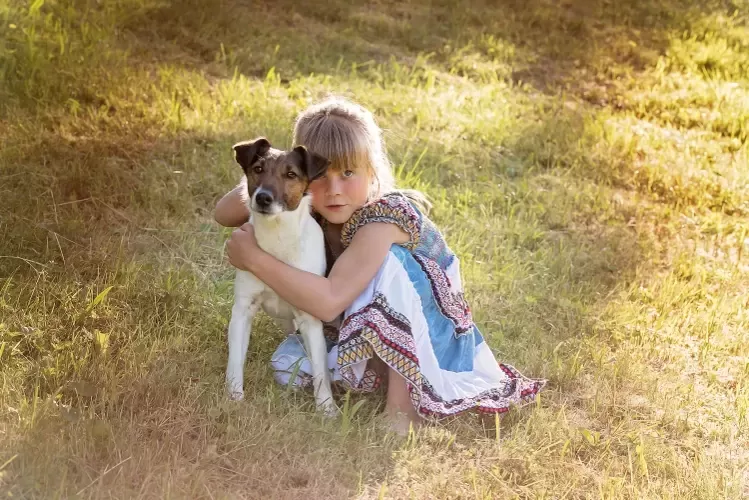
589	163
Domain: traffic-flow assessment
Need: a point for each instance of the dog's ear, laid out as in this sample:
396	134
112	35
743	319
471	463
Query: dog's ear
246	153
313	164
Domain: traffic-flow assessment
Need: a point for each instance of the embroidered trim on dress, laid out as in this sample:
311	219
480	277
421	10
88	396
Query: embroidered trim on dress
518	390
379	329
453	306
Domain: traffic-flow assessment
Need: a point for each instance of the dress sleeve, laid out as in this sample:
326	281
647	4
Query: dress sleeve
392	208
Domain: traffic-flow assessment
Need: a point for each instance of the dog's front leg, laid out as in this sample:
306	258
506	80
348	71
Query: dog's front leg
314	343
240	326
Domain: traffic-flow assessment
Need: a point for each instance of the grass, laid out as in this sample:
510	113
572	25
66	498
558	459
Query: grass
588	162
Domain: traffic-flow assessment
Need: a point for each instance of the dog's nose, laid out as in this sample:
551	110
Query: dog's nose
263	199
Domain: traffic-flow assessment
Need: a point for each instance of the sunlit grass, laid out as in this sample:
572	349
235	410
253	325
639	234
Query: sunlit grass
588	162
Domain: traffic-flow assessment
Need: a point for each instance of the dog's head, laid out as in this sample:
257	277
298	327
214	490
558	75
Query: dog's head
277	180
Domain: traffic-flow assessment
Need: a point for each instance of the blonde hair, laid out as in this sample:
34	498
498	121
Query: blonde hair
347	134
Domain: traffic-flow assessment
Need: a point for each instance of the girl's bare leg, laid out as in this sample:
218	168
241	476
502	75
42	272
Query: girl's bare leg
398	408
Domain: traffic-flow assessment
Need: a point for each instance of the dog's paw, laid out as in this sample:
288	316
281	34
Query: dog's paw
329	409
236	395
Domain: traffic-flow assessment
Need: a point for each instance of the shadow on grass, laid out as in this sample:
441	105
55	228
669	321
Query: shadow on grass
555	46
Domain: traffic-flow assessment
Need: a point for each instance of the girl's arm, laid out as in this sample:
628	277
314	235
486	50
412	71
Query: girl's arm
231	210
323	298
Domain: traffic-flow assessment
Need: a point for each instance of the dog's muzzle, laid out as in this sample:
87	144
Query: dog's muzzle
264	202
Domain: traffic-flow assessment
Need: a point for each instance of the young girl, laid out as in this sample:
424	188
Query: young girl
392	280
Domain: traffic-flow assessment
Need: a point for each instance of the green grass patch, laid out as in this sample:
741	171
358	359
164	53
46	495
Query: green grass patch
588	162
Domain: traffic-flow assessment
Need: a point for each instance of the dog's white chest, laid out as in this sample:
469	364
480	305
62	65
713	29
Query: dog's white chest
284	247
298	245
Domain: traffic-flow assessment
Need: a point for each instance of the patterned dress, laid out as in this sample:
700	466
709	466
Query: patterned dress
414	317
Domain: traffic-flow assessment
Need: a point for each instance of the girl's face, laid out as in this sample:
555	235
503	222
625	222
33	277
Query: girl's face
339	193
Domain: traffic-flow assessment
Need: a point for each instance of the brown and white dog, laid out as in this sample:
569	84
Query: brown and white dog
277	182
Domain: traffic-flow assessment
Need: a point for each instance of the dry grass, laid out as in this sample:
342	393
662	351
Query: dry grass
588	160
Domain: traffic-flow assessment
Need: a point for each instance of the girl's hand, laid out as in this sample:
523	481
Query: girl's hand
242	247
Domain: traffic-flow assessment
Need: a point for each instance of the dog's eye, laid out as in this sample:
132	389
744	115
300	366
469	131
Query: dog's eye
258	169
291	175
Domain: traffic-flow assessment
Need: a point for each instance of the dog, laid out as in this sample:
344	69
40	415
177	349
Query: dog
277	183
